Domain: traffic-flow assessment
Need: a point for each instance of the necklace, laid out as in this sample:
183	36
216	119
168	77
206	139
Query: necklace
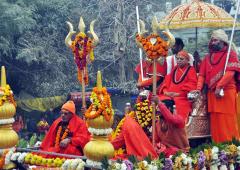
218	61
58	136
175	81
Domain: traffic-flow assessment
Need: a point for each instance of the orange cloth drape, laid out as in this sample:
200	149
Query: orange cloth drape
134	139
238	111
223	116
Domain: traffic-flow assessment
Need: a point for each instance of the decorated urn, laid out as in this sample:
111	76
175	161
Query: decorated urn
9	137
99	117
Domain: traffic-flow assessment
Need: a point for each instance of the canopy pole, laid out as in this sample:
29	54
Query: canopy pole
230	43
140	50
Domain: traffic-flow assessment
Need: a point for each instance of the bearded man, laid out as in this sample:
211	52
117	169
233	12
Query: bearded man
222	108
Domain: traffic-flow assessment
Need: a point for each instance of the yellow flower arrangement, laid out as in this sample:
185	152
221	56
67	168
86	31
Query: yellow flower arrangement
144	113
102	103
6	95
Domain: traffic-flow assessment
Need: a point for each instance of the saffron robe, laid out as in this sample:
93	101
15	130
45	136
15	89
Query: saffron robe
133	138
148	73
174	136
80	136
223	111
186	81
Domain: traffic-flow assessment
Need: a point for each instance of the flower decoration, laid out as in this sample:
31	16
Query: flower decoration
101	104
144	115
59	137
6	94
156	50
42	126
82	48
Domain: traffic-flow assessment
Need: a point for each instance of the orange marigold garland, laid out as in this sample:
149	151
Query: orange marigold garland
156	50
102	104
58	136
82	47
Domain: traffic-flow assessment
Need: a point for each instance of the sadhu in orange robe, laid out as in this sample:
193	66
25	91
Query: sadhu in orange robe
78	133
134	140
182	81
223	111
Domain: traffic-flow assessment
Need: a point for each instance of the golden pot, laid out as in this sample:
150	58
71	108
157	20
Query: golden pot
98	148
100	122
9	137
7	110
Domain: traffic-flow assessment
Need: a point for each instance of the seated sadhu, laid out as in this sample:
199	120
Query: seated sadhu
179	83
130	139
68	134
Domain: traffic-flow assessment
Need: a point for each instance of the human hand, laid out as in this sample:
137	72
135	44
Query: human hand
155	99
64	142
217	93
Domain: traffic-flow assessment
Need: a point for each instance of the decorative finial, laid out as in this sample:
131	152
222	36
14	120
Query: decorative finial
99	80
81	25
3	77
154	25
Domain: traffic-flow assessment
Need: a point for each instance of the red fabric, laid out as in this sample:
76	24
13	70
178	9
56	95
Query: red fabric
148	72
189	83
176	119
183	54
134	139
80	136
226	79
213	65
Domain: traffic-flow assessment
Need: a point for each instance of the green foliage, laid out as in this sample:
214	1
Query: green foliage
33	140
22	143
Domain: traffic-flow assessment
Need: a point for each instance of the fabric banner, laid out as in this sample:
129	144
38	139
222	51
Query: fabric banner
41	104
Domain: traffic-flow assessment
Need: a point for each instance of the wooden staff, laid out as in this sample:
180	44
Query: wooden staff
153	103
83	92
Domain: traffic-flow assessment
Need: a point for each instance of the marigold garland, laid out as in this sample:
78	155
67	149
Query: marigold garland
58	136
7	95
102	104
153	51
82	47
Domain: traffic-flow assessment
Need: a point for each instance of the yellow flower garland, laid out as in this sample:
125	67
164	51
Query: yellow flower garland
144	113
103	105
6	95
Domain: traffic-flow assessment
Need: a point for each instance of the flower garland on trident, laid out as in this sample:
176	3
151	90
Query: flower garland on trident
82	47
101	103
153	45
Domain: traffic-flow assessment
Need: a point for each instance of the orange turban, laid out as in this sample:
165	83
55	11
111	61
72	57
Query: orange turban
184	54
69	106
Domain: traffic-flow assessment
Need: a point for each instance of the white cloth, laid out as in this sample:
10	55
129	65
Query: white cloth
172	60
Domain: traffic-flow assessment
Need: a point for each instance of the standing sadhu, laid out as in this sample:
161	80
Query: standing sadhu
222	108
